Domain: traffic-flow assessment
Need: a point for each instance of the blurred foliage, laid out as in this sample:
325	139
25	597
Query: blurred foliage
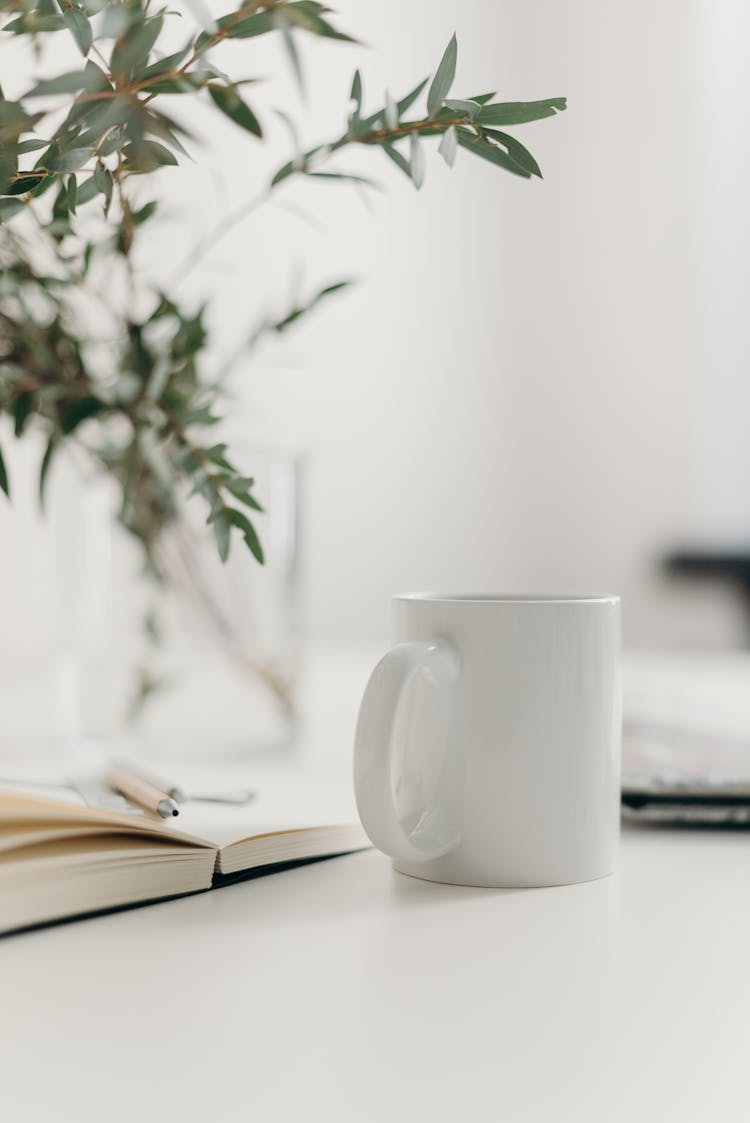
75	358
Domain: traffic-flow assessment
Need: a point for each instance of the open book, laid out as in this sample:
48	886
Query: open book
60	859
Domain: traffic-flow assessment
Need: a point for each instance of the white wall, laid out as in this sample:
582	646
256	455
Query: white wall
516	395
720	160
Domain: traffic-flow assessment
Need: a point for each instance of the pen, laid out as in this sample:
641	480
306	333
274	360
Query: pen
141	791
175	793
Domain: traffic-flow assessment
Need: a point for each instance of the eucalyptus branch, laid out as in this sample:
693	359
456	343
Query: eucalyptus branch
143	406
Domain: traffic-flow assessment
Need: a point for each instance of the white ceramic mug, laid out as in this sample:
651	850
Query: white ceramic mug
487	749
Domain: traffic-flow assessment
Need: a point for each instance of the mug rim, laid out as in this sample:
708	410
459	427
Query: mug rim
508	598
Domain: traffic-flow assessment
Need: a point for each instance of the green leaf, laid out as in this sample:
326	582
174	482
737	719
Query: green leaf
230	27
344	177
8	169
240	489
60	210
117	18
96	79
519	112
337	286
186	84
159	125
72	412
144	213
488	151
309	15
30	146
4	485
97	118
70	161
248	28
517	152
284	172
250	501
72	193
443	79
356	90
296	313
416	162
87	191
23	183
9	208
111	143
398	159
78	26
408	101
34	23
148	156
45	467
164	65
215	454
482	99
293	55
69	83
240	484
14	120
242	522
231	104
221	527
23	408
448	146
132	49
104	183
468	109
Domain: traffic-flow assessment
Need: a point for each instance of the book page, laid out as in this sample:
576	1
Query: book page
283	801
23	816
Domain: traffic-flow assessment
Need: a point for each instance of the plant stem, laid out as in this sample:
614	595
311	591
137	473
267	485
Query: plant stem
228	223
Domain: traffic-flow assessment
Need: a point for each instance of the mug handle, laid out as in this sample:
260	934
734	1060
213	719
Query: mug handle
374	746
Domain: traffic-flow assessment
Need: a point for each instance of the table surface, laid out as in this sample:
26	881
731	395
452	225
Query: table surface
345	991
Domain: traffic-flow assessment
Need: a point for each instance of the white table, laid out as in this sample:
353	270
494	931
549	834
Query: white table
345	992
